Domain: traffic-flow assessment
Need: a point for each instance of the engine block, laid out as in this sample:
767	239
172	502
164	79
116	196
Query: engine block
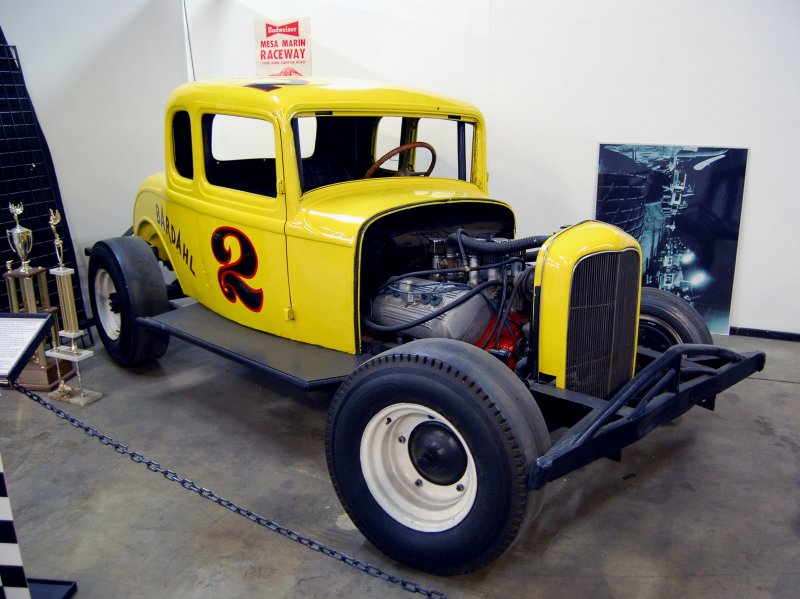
413	298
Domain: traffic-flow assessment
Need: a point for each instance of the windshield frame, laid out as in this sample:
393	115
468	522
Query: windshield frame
464	147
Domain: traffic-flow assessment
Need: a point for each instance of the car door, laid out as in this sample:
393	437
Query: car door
240	213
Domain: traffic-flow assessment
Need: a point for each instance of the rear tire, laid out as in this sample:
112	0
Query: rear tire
428	447
125	282
666	320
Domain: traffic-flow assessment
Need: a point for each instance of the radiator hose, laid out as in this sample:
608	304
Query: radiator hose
479	246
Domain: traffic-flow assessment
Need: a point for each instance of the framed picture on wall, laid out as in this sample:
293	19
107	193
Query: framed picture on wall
683	204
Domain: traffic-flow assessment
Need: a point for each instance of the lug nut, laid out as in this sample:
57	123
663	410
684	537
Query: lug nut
418	482
460	488
402	439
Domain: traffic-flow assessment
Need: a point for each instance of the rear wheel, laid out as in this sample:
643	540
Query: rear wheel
125	282
428	447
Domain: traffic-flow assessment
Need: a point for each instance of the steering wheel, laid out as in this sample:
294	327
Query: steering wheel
404	172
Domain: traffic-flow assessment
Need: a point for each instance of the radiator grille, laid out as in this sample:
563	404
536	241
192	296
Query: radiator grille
601	332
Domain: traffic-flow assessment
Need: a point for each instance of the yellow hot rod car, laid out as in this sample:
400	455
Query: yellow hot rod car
340	233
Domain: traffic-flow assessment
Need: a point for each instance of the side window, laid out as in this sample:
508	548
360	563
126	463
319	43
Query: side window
182	144
307	132
240	153
388	137
443	135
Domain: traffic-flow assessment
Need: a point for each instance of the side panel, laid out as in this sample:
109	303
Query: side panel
321	279
242	259
158	222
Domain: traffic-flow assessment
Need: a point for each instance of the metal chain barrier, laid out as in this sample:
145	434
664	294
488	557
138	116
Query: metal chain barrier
189	485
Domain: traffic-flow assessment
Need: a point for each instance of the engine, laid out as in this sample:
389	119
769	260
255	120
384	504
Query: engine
479	287
476	290
414	299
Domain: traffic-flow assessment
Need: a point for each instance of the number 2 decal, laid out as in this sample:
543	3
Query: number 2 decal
232	274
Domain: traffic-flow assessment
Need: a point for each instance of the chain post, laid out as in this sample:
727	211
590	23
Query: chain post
189	485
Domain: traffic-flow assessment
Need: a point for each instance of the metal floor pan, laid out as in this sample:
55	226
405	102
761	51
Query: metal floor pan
302	364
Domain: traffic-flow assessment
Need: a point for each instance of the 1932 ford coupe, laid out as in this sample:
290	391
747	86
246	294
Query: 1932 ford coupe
340	233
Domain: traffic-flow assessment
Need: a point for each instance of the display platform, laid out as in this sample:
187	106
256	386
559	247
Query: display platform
307	366
51	589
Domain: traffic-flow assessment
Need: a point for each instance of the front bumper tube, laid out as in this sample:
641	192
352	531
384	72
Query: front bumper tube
676	380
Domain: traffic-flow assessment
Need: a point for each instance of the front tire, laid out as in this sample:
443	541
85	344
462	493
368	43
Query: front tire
125	282
428	447
666	320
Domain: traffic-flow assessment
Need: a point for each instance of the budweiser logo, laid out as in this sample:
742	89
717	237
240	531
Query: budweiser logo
285	29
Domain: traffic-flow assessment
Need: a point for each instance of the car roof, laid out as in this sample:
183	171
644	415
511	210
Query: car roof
290	96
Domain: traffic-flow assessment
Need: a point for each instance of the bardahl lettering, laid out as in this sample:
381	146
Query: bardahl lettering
173	235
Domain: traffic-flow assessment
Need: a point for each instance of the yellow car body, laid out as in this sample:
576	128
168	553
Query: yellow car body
304	277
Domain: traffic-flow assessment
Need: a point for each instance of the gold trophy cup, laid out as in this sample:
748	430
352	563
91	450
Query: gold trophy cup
20	238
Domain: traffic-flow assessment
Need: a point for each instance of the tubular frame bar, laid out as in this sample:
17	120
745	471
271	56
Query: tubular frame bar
681	377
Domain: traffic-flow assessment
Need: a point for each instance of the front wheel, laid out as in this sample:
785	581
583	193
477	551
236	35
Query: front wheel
666	320
428	447
125	282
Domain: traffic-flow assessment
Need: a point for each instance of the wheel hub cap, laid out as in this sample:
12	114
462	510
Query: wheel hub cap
437	454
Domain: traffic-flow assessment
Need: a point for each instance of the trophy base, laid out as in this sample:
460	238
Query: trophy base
65	352
45	378
76	397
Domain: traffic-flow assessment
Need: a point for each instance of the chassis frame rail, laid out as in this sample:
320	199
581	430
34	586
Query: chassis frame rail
670	384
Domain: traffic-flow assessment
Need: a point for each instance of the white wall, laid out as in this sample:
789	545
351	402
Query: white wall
98	72
554	79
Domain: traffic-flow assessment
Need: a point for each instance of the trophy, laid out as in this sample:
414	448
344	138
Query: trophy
42	373
71	353
20	238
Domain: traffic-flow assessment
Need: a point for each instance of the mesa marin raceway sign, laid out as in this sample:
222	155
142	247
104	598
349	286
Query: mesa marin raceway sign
283	47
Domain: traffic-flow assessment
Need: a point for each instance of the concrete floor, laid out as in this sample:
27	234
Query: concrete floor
706	507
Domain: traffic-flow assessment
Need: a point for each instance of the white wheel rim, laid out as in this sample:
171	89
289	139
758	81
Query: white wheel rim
103	290
395	483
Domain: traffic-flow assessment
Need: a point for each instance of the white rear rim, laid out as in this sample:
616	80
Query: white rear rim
103	290
396	483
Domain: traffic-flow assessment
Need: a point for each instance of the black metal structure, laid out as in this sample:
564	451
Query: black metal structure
669	385
27	176
307	366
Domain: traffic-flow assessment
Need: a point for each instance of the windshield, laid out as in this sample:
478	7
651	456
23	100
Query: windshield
336	149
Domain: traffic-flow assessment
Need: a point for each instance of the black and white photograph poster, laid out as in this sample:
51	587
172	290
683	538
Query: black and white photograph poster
683	204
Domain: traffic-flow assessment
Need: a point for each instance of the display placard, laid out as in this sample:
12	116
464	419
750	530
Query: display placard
21	334
283	47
